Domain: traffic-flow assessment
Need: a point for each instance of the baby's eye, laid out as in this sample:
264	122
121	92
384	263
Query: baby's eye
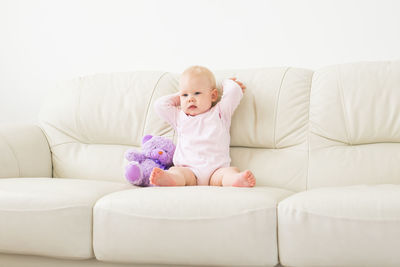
185	95
197	93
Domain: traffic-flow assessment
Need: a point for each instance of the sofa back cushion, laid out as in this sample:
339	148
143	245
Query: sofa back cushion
91	121
355	125
269	128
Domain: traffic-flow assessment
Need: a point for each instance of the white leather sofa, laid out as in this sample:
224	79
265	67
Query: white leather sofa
323	145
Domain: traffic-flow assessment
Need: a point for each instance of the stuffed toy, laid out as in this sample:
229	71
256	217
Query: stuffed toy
157	151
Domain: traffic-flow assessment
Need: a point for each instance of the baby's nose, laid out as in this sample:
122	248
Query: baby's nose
160	152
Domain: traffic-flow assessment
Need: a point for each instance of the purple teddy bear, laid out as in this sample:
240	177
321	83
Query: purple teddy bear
157	151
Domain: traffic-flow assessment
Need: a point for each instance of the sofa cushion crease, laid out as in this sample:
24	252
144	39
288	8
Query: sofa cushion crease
189	219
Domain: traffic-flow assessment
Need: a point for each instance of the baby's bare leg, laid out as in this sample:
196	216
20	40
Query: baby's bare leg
231	176
175	176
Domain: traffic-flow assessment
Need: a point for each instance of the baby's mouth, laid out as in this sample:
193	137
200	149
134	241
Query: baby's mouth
192	107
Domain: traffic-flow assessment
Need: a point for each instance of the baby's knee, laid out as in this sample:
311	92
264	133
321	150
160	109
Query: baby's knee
178	170
235	169
172	168
182	170
227	170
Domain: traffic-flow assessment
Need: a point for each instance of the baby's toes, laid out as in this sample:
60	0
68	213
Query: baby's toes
250	178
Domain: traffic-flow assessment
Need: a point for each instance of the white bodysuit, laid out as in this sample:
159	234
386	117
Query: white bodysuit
204	139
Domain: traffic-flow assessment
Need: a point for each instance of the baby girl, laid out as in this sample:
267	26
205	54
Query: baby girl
202	151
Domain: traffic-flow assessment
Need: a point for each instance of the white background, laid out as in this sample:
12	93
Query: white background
42	42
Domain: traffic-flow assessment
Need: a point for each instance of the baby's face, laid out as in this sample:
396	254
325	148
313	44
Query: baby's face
196	94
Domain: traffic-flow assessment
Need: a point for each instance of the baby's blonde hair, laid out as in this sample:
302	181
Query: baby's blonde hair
200	70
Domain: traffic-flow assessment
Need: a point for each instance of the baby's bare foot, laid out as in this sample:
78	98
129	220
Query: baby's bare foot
161	178
245	179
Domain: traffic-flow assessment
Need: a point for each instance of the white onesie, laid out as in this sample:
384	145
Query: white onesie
204	139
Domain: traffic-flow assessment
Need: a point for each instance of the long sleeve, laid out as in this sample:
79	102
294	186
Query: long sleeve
167	108
231	97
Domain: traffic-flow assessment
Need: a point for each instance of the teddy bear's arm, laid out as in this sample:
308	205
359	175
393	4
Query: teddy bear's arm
134	155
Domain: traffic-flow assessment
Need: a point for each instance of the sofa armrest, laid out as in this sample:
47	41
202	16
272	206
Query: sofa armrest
24	151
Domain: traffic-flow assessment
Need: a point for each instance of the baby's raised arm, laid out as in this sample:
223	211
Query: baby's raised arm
167	107
239	83
231	96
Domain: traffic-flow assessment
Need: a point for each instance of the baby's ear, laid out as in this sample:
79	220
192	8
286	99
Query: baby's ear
214	94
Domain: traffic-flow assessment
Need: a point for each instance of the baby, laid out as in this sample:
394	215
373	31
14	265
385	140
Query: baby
202	151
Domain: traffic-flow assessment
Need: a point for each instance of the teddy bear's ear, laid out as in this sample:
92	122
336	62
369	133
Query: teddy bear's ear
146	138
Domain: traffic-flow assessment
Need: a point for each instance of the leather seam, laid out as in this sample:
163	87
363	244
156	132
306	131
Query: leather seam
14	154
151	98
341	218
78	110
49	209
191	219
346	123
309	133
277	104
58	129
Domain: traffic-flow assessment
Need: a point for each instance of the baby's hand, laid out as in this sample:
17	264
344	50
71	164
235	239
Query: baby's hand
177	100
239	83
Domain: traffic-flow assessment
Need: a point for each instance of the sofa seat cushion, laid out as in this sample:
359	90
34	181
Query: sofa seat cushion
197	225
49	217
347	226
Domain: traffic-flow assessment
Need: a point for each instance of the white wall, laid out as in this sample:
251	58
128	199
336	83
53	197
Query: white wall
46	41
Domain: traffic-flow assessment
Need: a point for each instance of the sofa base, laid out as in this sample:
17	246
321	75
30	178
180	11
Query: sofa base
13	260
